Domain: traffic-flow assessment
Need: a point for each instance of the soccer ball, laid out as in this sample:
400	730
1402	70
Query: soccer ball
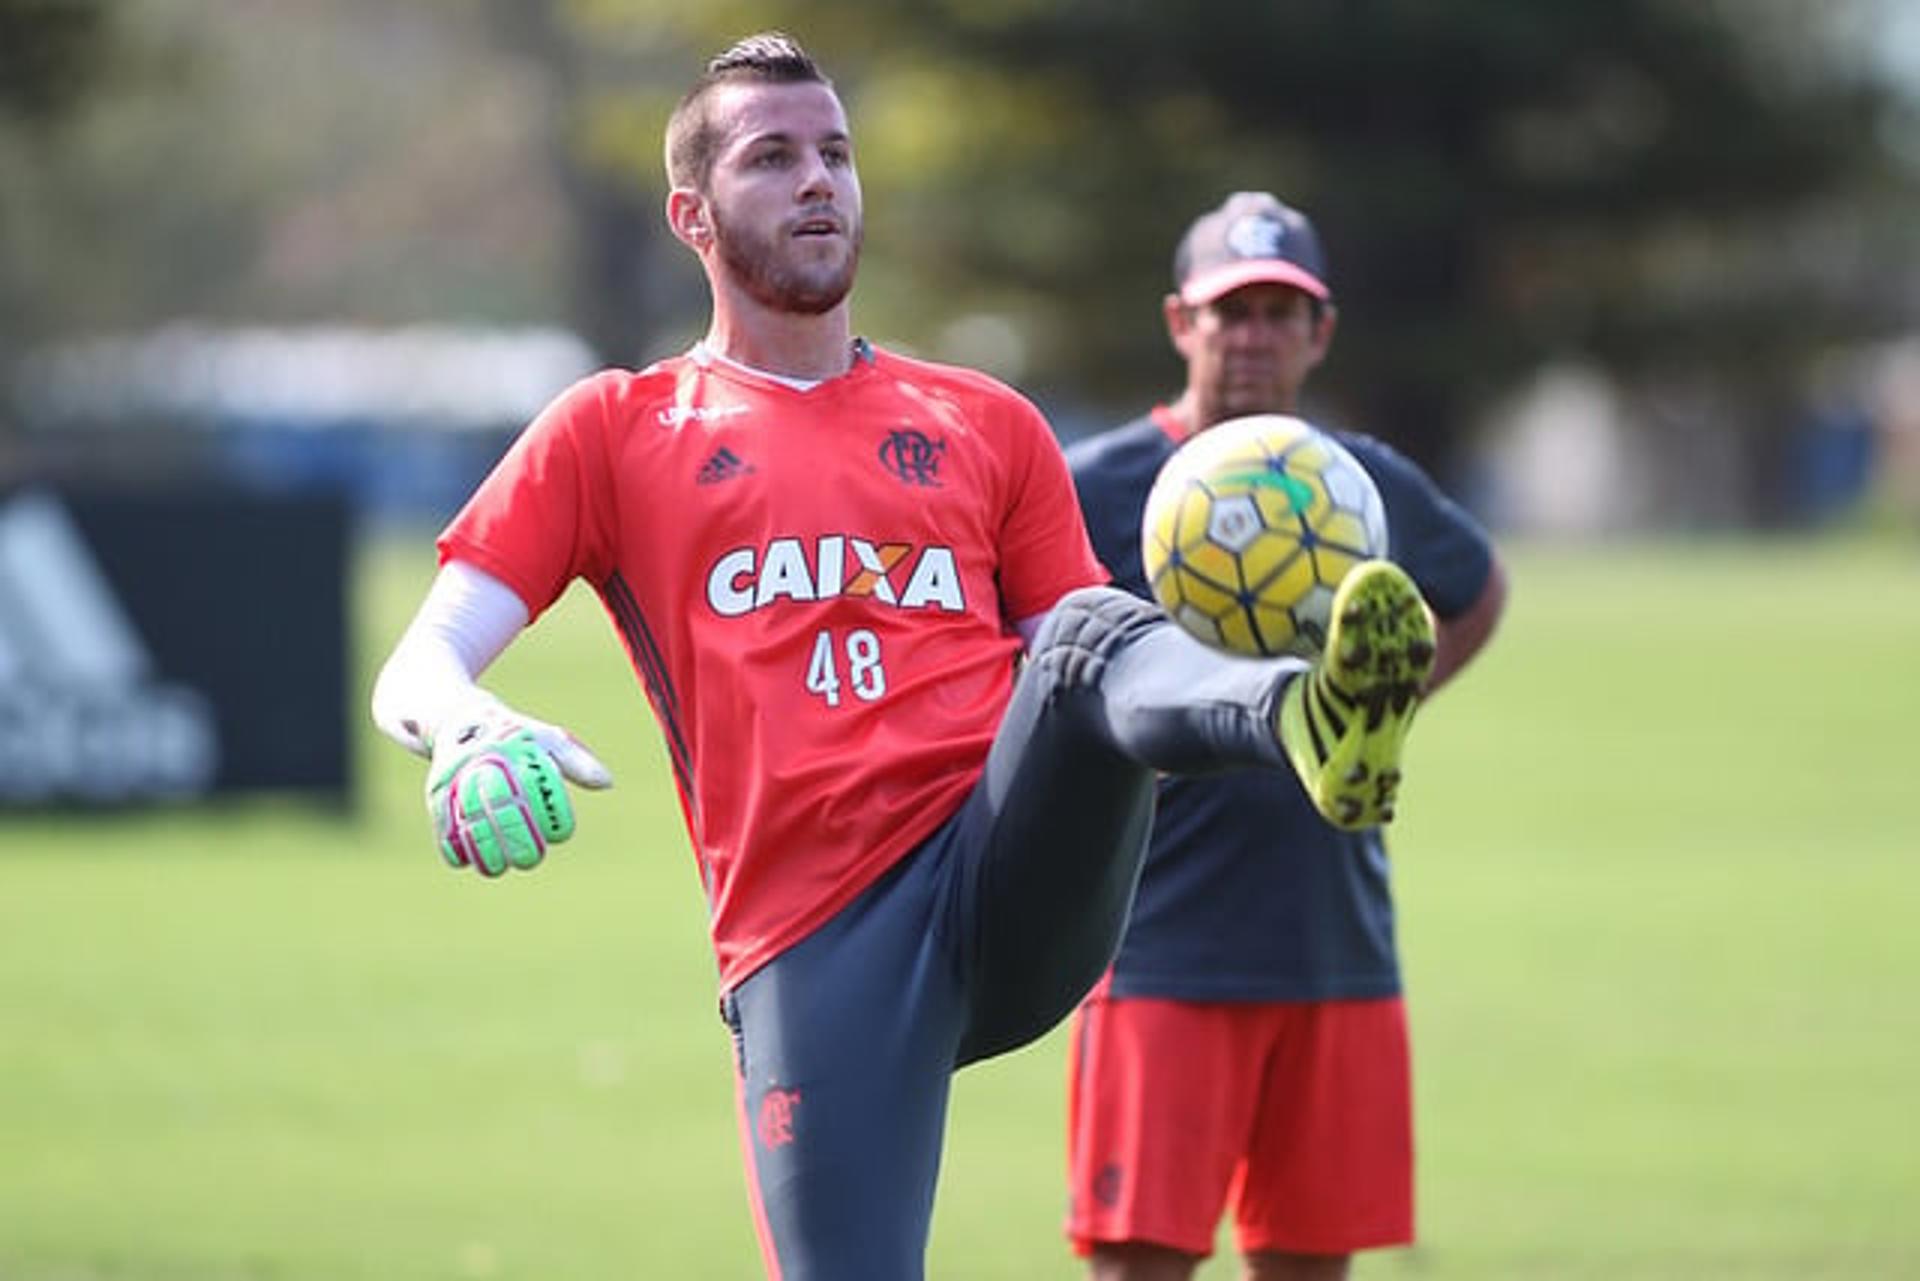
1249	529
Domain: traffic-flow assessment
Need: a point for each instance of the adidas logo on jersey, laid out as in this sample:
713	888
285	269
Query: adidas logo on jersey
724	464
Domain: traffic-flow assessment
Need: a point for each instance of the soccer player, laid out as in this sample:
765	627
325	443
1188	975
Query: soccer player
825	560
1249	1043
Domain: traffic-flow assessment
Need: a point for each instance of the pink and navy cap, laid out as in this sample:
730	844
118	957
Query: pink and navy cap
1251	239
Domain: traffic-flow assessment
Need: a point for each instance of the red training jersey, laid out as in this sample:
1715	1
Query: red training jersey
816	589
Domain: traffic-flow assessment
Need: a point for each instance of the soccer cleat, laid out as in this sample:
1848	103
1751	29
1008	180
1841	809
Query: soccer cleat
1343	721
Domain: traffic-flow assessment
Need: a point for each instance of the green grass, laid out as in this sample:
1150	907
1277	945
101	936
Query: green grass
1657	898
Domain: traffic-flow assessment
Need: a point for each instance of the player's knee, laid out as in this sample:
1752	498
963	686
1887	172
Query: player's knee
1096	618
1087	629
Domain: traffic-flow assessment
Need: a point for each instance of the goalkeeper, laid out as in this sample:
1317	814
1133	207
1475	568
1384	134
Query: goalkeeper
824	560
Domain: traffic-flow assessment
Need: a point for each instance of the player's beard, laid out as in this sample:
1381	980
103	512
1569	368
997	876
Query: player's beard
757	264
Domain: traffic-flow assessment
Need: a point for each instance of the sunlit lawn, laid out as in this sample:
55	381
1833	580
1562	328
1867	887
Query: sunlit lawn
1657	905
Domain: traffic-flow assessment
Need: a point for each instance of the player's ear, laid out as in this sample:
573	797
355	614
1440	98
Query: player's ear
1323	326
688	220
1179	318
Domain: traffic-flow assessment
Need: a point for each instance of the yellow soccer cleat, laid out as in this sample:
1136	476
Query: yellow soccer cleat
1344	721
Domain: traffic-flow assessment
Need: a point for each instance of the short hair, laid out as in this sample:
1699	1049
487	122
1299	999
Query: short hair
771	57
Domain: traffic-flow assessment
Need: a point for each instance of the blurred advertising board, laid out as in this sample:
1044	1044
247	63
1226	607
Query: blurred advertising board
169	645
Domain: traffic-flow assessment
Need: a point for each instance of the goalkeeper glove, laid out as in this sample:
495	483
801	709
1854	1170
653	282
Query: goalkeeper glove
495	789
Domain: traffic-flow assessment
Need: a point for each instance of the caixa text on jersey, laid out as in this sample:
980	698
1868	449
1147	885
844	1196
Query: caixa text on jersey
898	574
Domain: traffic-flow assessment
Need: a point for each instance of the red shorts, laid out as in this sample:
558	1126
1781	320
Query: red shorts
1299	1114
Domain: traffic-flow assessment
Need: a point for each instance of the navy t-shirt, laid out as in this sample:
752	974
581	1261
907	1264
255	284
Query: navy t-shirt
1247	893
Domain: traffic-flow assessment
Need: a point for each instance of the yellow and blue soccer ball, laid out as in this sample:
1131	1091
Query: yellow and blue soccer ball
1249	529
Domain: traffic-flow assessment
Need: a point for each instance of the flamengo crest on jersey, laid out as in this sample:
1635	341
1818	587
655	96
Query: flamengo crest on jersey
743	580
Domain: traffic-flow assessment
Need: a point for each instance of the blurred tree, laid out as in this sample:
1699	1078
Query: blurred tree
1674	190
50	54
49	50
620	296
1702	195
1648	183
339	161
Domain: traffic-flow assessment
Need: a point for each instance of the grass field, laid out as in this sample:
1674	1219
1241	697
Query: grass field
1658	883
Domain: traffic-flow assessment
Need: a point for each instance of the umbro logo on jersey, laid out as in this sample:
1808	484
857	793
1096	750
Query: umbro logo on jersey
680	415
723	464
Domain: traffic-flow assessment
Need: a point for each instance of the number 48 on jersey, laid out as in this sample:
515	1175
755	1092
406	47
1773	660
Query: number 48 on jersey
856	654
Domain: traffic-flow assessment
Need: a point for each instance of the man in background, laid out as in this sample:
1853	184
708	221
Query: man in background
1249	1046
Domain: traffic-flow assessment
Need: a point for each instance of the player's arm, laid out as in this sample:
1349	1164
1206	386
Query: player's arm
495	792
1459	638
1044	551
